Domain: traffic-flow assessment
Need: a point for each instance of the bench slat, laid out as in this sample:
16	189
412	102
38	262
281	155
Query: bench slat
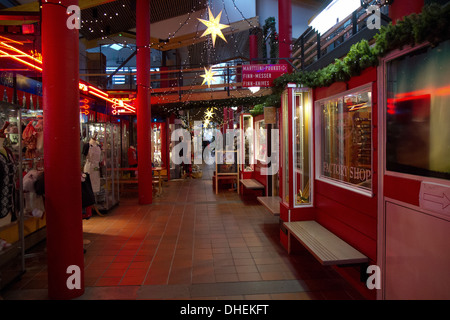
328	248
251	184
271	203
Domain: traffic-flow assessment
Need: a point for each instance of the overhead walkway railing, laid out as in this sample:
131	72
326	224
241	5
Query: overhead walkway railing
312	50
178	84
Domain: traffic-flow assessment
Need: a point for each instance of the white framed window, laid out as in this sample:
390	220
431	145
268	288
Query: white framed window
344	140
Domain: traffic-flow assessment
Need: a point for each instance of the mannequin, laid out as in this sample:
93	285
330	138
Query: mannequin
92	165
7	173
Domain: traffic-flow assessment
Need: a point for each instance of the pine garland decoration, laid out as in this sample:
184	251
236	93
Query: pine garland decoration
431	25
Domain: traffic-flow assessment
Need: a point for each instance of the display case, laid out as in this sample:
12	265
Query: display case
247	142
12	243
296	153
105	182
159	144
261	141
302	152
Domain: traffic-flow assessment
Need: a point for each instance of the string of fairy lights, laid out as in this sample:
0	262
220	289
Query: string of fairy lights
215	27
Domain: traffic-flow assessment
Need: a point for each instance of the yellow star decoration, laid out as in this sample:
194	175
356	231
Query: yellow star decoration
209	114
208	77
214	27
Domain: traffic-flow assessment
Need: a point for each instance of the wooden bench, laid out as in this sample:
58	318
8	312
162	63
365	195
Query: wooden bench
252	184
323	244
271	203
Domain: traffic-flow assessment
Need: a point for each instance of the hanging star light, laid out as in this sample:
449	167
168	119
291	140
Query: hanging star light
208	77
214	27
209	114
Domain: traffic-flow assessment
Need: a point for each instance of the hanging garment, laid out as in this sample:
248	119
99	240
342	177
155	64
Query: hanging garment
7	173
92	165
29	137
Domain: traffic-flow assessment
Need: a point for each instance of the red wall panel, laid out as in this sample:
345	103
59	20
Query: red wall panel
401	189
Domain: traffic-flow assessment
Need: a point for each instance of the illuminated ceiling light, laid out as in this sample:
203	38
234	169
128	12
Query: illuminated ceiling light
214	27
208	77
335	12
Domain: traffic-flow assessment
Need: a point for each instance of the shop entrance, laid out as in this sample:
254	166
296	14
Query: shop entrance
414	180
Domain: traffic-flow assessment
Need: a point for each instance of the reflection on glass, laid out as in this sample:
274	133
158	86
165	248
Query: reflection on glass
418	113
156	146
346	148
302	145
285	148
261	141
247	151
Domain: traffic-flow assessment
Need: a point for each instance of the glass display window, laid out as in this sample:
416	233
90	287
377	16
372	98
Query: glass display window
344	133
247	143
157	160
417	128
302	152
261	141
285	148
296	147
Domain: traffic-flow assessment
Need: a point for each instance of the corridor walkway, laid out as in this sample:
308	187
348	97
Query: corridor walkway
190	244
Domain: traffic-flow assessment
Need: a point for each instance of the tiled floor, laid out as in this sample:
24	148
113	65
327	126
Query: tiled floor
190	244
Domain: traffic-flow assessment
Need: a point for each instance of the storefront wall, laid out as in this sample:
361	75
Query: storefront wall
350	215
344	208
414	209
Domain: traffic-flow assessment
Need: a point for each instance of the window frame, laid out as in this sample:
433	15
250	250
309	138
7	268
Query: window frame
318	142
382	108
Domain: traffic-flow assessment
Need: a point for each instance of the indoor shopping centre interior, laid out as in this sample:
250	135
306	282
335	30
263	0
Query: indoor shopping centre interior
224	150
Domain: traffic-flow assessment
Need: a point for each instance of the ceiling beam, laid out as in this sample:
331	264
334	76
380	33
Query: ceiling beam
24	13
34	6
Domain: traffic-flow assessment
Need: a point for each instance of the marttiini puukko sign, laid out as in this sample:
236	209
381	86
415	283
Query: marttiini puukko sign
262	75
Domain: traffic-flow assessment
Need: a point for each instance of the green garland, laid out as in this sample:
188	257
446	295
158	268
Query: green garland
270	26
432	25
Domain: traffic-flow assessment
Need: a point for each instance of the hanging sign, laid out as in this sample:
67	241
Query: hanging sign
262	75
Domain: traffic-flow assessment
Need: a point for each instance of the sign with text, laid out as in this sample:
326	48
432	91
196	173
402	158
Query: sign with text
262	75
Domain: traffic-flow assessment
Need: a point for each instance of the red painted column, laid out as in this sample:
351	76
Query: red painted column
60	78
253	42
144	112
285	30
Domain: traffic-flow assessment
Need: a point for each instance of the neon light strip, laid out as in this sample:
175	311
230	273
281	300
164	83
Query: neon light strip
83	87
22	61
21	52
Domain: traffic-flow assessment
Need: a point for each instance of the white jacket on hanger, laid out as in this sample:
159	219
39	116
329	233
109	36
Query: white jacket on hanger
92	165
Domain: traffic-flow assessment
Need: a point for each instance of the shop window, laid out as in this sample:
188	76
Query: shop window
302	147
247	152
418	99
285	148
344	149
261	141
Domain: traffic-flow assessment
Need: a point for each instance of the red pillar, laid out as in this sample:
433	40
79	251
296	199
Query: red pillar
253	42
285	30
60	78
230	118
144	112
